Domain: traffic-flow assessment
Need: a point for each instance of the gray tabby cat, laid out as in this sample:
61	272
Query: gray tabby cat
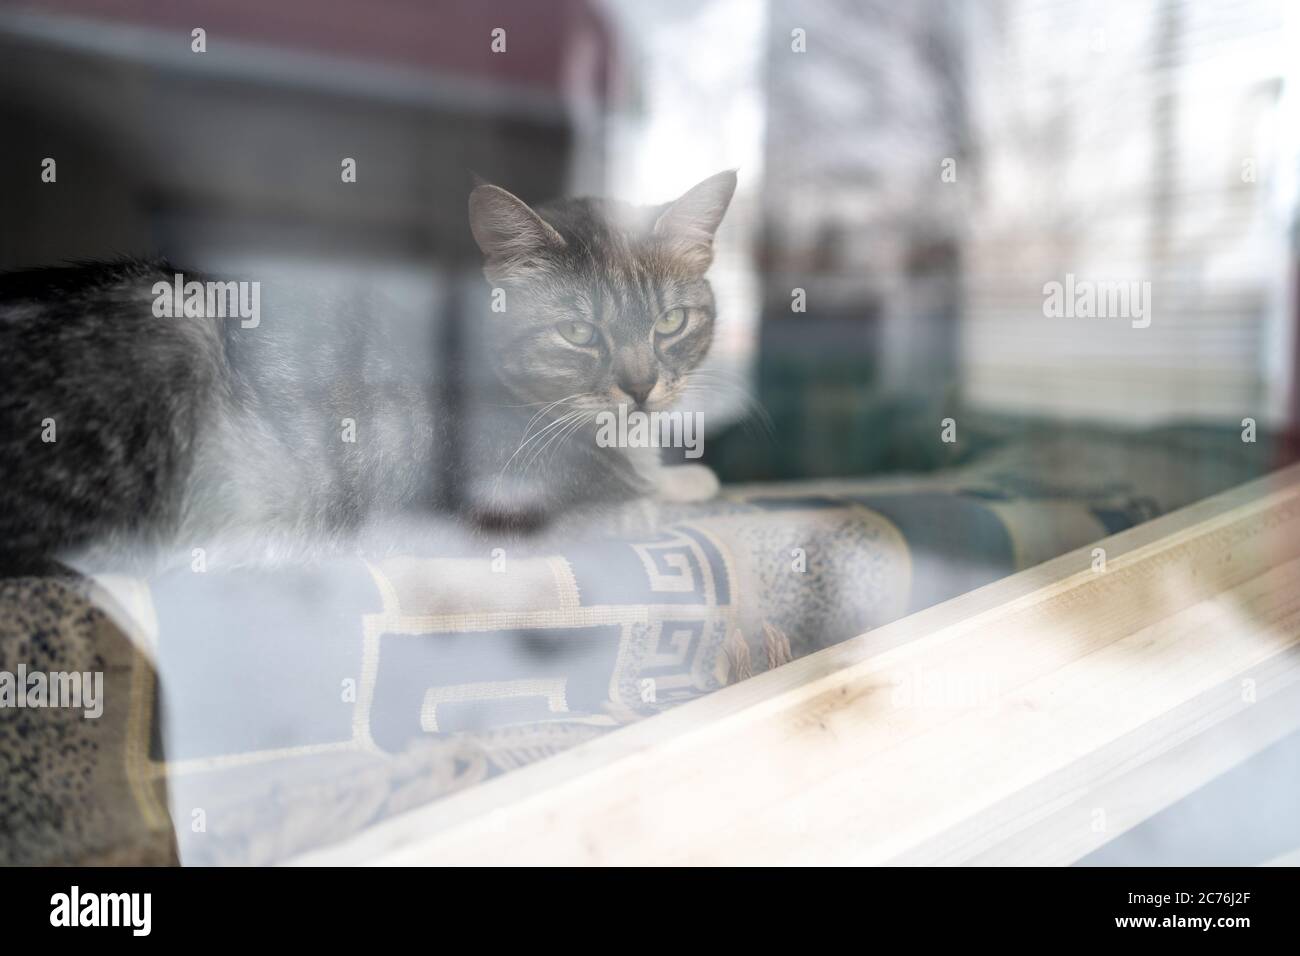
126	436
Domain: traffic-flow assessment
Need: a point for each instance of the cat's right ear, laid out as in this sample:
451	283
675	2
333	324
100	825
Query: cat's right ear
513	238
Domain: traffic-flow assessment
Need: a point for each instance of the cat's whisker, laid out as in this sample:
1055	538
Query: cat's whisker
697	382
586	419
549	431
548	428
515	404
560	437
532	421
548	406
569	432
532	439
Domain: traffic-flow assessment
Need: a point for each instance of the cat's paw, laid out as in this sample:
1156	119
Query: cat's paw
686	484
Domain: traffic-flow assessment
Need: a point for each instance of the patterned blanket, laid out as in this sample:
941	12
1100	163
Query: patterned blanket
249	716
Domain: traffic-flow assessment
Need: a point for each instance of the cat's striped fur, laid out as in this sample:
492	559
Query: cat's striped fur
178	433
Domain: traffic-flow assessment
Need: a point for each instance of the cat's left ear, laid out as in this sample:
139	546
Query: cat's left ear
689	223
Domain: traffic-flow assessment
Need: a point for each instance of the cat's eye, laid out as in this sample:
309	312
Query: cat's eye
577	332
671	321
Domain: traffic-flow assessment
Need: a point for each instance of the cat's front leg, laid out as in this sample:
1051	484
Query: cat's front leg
686	484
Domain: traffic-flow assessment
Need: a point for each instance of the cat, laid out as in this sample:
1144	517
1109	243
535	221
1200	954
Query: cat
125	436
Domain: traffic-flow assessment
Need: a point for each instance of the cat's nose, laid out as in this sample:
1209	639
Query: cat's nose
639	389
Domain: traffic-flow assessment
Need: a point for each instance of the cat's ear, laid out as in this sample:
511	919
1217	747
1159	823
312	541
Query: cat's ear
514	239
689	223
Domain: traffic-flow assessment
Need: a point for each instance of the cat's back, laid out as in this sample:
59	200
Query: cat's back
96	318
99	401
